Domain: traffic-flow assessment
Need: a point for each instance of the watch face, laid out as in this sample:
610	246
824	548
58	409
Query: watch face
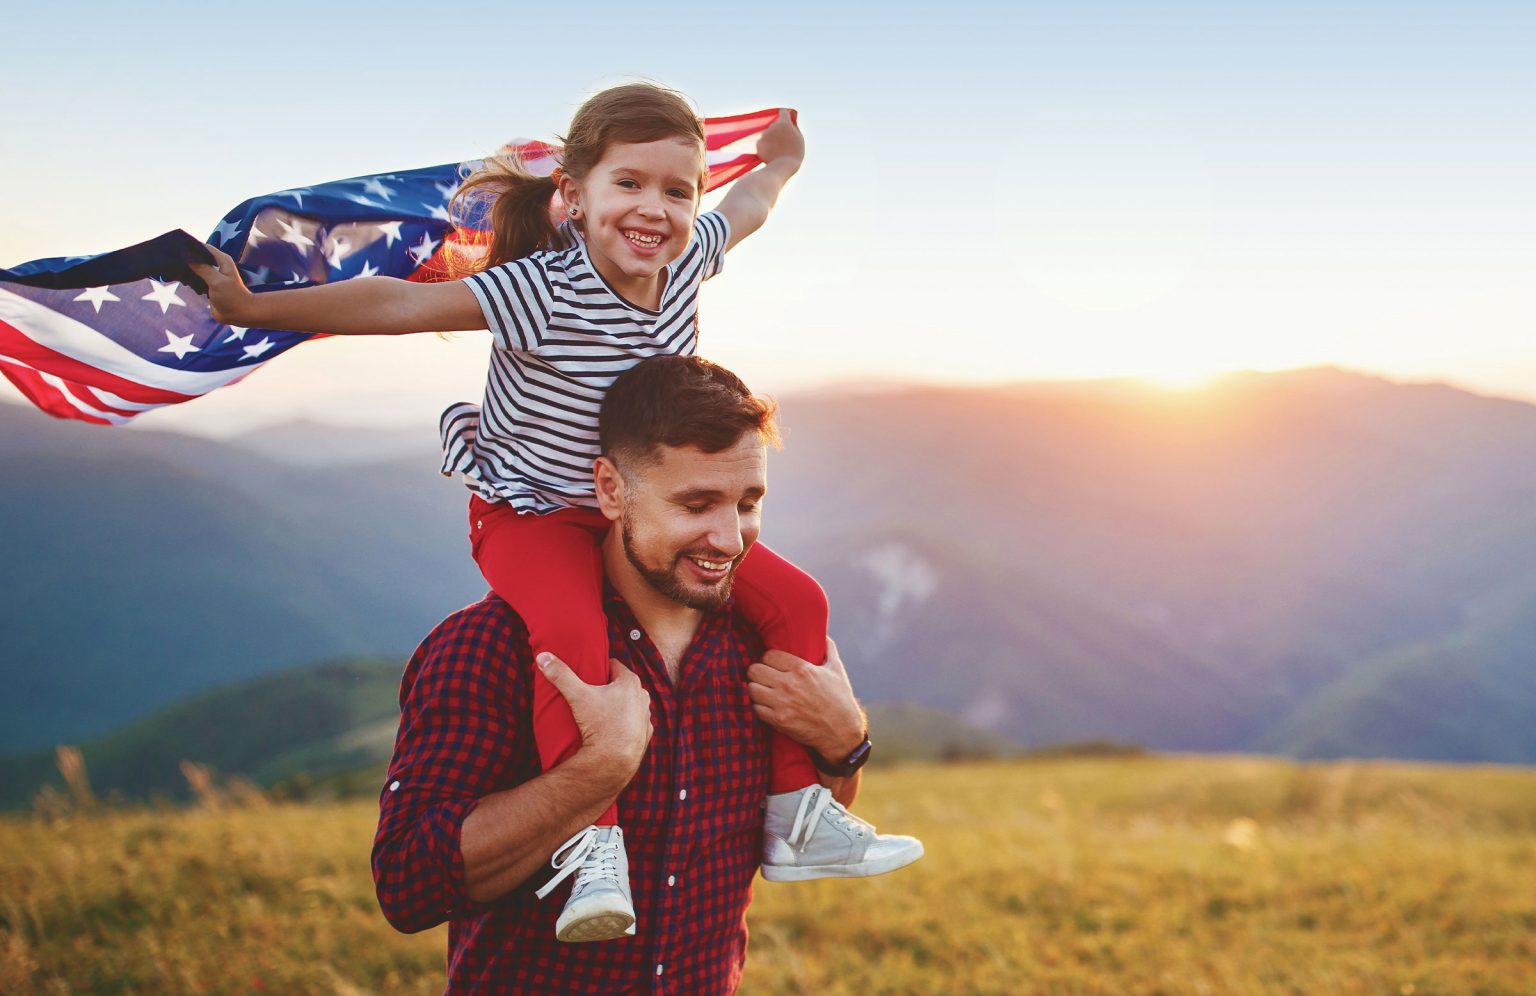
856	760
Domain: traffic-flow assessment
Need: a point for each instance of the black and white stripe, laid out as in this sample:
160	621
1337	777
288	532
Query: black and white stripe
562	337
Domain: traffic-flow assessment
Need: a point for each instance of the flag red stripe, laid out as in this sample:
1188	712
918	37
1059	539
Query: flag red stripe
720	132
44	395
14	342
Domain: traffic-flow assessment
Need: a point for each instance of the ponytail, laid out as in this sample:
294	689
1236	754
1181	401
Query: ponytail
501	196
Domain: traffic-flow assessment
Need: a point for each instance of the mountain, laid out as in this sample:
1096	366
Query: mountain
1317	562
143	566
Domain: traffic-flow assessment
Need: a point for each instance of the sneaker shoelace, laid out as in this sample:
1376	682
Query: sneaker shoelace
815	804
585	857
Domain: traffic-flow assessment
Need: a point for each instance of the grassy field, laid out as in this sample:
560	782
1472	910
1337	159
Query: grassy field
1136	875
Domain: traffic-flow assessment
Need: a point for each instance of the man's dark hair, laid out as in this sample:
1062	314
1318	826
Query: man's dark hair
680	401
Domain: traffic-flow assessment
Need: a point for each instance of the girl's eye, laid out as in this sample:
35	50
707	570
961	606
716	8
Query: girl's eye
631	184
681	194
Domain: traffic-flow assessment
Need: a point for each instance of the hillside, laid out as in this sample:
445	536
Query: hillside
1315	562
334	723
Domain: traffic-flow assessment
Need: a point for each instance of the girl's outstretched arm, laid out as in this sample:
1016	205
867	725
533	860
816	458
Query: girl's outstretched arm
360	306
746	205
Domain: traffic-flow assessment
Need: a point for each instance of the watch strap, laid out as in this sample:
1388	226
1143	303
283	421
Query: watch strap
855	760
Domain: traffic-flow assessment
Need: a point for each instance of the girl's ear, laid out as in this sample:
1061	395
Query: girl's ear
570	194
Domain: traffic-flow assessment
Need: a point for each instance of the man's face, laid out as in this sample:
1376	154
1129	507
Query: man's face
691	516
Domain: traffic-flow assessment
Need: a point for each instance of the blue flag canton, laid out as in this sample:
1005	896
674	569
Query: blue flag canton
384	225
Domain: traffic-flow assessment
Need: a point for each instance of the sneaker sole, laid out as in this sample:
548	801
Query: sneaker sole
864	869
599	927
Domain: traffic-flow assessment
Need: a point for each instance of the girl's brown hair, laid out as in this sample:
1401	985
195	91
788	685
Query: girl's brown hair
516	203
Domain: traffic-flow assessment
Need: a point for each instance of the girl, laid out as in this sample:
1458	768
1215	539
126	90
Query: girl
570	306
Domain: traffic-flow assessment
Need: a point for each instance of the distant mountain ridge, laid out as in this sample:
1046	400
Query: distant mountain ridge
1317	563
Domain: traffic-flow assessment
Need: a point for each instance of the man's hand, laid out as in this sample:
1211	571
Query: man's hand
812	705
614	719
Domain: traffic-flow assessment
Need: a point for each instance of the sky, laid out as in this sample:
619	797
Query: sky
1054	191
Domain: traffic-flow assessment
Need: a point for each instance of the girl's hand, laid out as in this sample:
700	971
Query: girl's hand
228	298
782	142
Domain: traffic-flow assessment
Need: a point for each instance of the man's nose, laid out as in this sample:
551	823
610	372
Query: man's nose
726	534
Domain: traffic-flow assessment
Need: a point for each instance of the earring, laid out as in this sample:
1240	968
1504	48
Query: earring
573	212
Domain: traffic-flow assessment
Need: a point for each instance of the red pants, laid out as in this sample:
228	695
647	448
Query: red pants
550	569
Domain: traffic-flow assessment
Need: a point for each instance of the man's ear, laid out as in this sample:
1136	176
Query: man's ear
609	484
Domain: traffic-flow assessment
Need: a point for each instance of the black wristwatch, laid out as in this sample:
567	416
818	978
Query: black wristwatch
853	762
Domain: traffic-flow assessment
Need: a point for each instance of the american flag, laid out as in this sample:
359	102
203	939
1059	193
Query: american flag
106	338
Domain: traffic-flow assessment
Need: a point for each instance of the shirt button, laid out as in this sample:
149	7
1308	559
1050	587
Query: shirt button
394	786
671	879
635	634
683	794
658	969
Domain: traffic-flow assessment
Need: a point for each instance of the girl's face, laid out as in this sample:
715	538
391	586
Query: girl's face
636	209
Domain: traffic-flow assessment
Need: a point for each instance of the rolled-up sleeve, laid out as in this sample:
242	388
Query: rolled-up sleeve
452	750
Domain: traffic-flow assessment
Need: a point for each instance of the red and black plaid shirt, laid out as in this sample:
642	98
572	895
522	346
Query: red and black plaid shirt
692	816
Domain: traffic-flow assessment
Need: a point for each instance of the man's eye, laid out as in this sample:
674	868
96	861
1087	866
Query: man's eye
696	509
748	506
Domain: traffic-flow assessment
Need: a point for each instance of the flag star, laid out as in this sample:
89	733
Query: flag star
226	230
254	239
424	249
391	232
297	193
373	186
297	278
365	202
439	212
97	296
294	234
256	349
164	295
336	248
258	276
446	189
181	345
368	270
236	334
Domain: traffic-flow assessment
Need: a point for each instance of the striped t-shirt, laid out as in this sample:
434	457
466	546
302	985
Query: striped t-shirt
562	336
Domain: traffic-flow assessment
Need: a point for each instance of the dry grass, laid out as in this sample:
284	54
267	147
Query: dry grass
1157	875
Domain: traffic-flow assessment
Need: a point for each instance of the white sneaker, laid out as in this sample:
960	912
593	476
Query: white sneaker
808	834
599	908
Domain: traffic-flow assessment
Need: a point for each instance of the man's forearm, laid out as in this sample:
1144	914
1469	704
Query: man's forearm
510	835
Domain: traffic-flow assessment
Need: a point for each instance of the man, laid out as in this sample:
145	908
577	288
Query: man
468	817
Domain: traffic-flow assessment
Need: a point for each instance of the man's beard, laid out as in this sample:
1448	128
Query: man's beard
667	582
